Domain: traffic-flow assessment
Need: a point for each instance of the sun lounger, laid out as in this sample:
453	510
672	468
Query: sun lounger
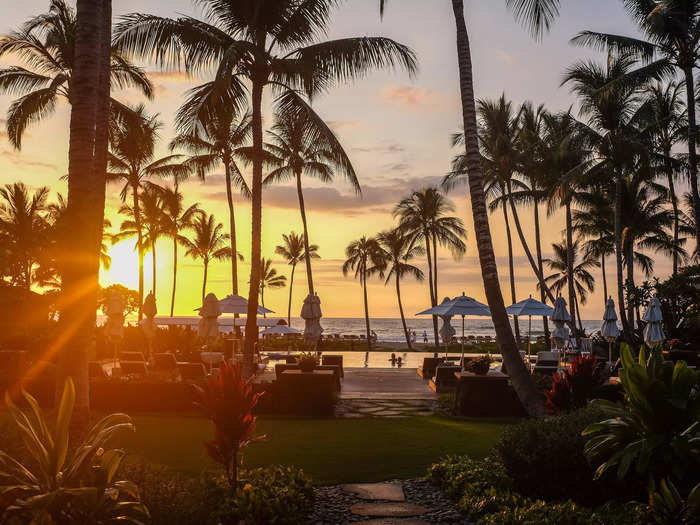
547	362
279	368
444	380
131	356
333	360
192	371
96	370
133	368
427	369
164	362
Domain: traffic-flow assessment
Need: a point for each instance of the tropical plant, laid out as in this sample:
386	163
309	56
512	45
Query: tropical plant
397	250
228	400
656	433
303	145
213	135
293	250
576	386
131	298
131	161
207	243
668	507
364	257
64	484
45	45
269	278
275	44
423	218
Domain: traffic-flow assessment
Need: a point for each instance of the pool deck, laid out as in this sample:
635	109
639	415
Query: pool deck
384	383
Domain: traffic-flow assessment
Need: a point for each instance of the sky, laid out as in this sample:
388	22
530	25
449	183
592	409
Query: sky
396	130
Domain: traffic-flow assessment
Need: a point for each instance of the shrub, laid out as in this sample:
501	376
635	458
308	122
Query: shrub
545	459
457	475
576	386
228	400
279	495
567	513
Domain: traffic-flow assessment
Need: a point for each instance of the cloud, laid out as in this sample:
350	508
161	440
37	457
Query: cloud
411	97
385	149
341	125
504	57
19	159
170	76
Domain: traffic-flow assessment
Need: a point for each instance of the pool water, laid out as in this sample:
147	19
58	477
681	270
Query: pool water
383	359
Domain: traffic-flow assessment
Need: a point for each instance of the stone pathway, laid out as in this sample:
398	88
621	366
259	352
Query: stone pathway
354	408
408	502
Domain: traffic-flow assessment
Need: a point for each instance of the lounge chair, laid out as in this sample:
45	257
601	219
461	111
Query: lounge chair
96	370
279	368
427	369
192	371
164	362
333	360
547	363
131	356
444	380
133	368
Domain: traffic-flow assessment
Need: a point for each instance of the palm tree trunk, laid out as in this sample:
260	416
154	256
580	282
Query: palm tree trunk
431	285
692	155
403	318
540	267
251	329
364	291
139	247
153	261
435	269
232	224
618	257
204	280
307	255
172	299
289	307
674	203
86	193
578	313
630	283
570	262
510	264
605	278
522	381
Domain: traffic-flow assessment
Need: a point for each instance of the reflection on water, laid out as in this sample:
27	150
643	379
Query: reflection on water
384	360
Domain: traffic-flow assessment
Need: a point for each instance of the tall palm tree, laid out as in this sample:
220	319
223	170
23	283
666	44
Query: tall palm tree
24	230
306	146
131	161
364	257
672	31
176	219
293	249
270	43
207	243
582	278
269	278
423	217
214	136
397	252
45	45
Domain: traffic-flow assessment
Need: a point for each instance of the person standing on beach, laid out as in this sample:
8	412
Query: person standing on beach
425	337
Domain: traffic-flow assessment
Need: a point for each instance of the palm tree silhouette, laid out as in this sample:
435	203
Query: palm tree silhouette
305	146
45	44
270	43
397	250
293	249
364	257
269	279
207	243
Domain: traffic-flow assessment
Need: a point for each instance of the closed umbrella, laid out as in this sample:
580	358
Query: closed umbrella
529	307
210	312
461	305
609	329
311	314
148	324
446	330
654	331
559	317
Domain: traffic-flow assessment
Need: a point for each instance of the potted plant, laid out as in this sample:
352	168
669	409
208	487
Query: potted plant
480	365
307	361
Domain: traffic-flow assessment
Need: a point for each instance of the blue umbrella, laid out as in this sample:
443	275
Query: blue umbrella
529	307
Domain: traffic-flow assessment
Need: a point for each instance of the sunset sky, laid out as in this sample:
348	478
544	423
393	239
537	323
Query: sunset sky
396	131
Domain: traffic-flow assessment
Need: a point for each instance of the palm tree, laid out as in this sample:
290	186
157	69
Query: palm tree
672	30
269	278
364	257
306	146
45	44
207	244
269	43
294	251
214	136
24	230
423	217
176	219
131	161
582	278
397	251
537	15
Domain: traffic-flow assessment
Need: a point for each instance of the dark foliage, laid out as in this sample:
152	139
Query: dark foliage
573	388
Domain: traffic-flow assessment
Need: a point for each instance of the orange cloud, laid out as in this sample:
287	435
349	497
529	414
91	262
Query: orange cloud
412	97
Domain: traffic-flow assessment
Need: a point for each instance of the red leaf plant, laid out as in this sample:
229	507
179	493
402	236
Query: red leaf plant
574	387
228	400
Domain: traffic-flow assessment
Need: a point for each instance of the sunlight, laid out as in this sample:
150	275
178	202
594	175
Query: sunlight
124	269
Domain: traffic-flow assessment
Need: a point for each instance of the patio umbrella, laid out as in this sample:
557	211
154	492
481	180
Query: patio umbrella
235	304
609	329
654	331
210	312
462	306
529	307
559	317
280	329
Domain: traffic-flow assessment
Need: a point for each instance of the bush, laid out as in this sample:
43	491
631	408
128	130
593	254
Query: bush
545	459
567	513
576	386
280	495
457	475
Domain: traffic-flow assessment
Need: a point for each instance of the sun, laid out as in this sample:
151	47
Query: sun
125	266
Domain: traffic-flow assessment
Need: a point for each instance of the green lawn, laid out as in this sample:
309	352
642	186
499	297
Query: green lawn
329	450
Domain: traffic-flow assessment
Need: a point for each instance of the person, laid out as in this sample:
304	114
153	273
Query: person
373	335
425	337
413	336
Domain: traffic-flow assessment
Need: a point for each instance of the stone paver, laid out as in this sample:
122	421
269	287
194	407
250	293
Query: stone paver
392	521
388	510
377	491
384	407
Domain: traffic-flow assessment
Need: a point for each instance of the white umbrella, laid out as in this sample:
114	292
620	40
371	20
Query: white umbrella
446	330
148	324
311	314
654	331
560	316
462	306
609	329
529	307
235	304
280	329
210	312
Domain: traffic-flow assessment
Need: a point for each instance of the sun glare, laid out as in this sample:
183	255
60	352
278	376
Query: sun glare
124	268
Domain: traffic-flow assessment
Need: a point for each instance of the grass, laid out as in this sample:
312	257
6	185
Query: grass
331	451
